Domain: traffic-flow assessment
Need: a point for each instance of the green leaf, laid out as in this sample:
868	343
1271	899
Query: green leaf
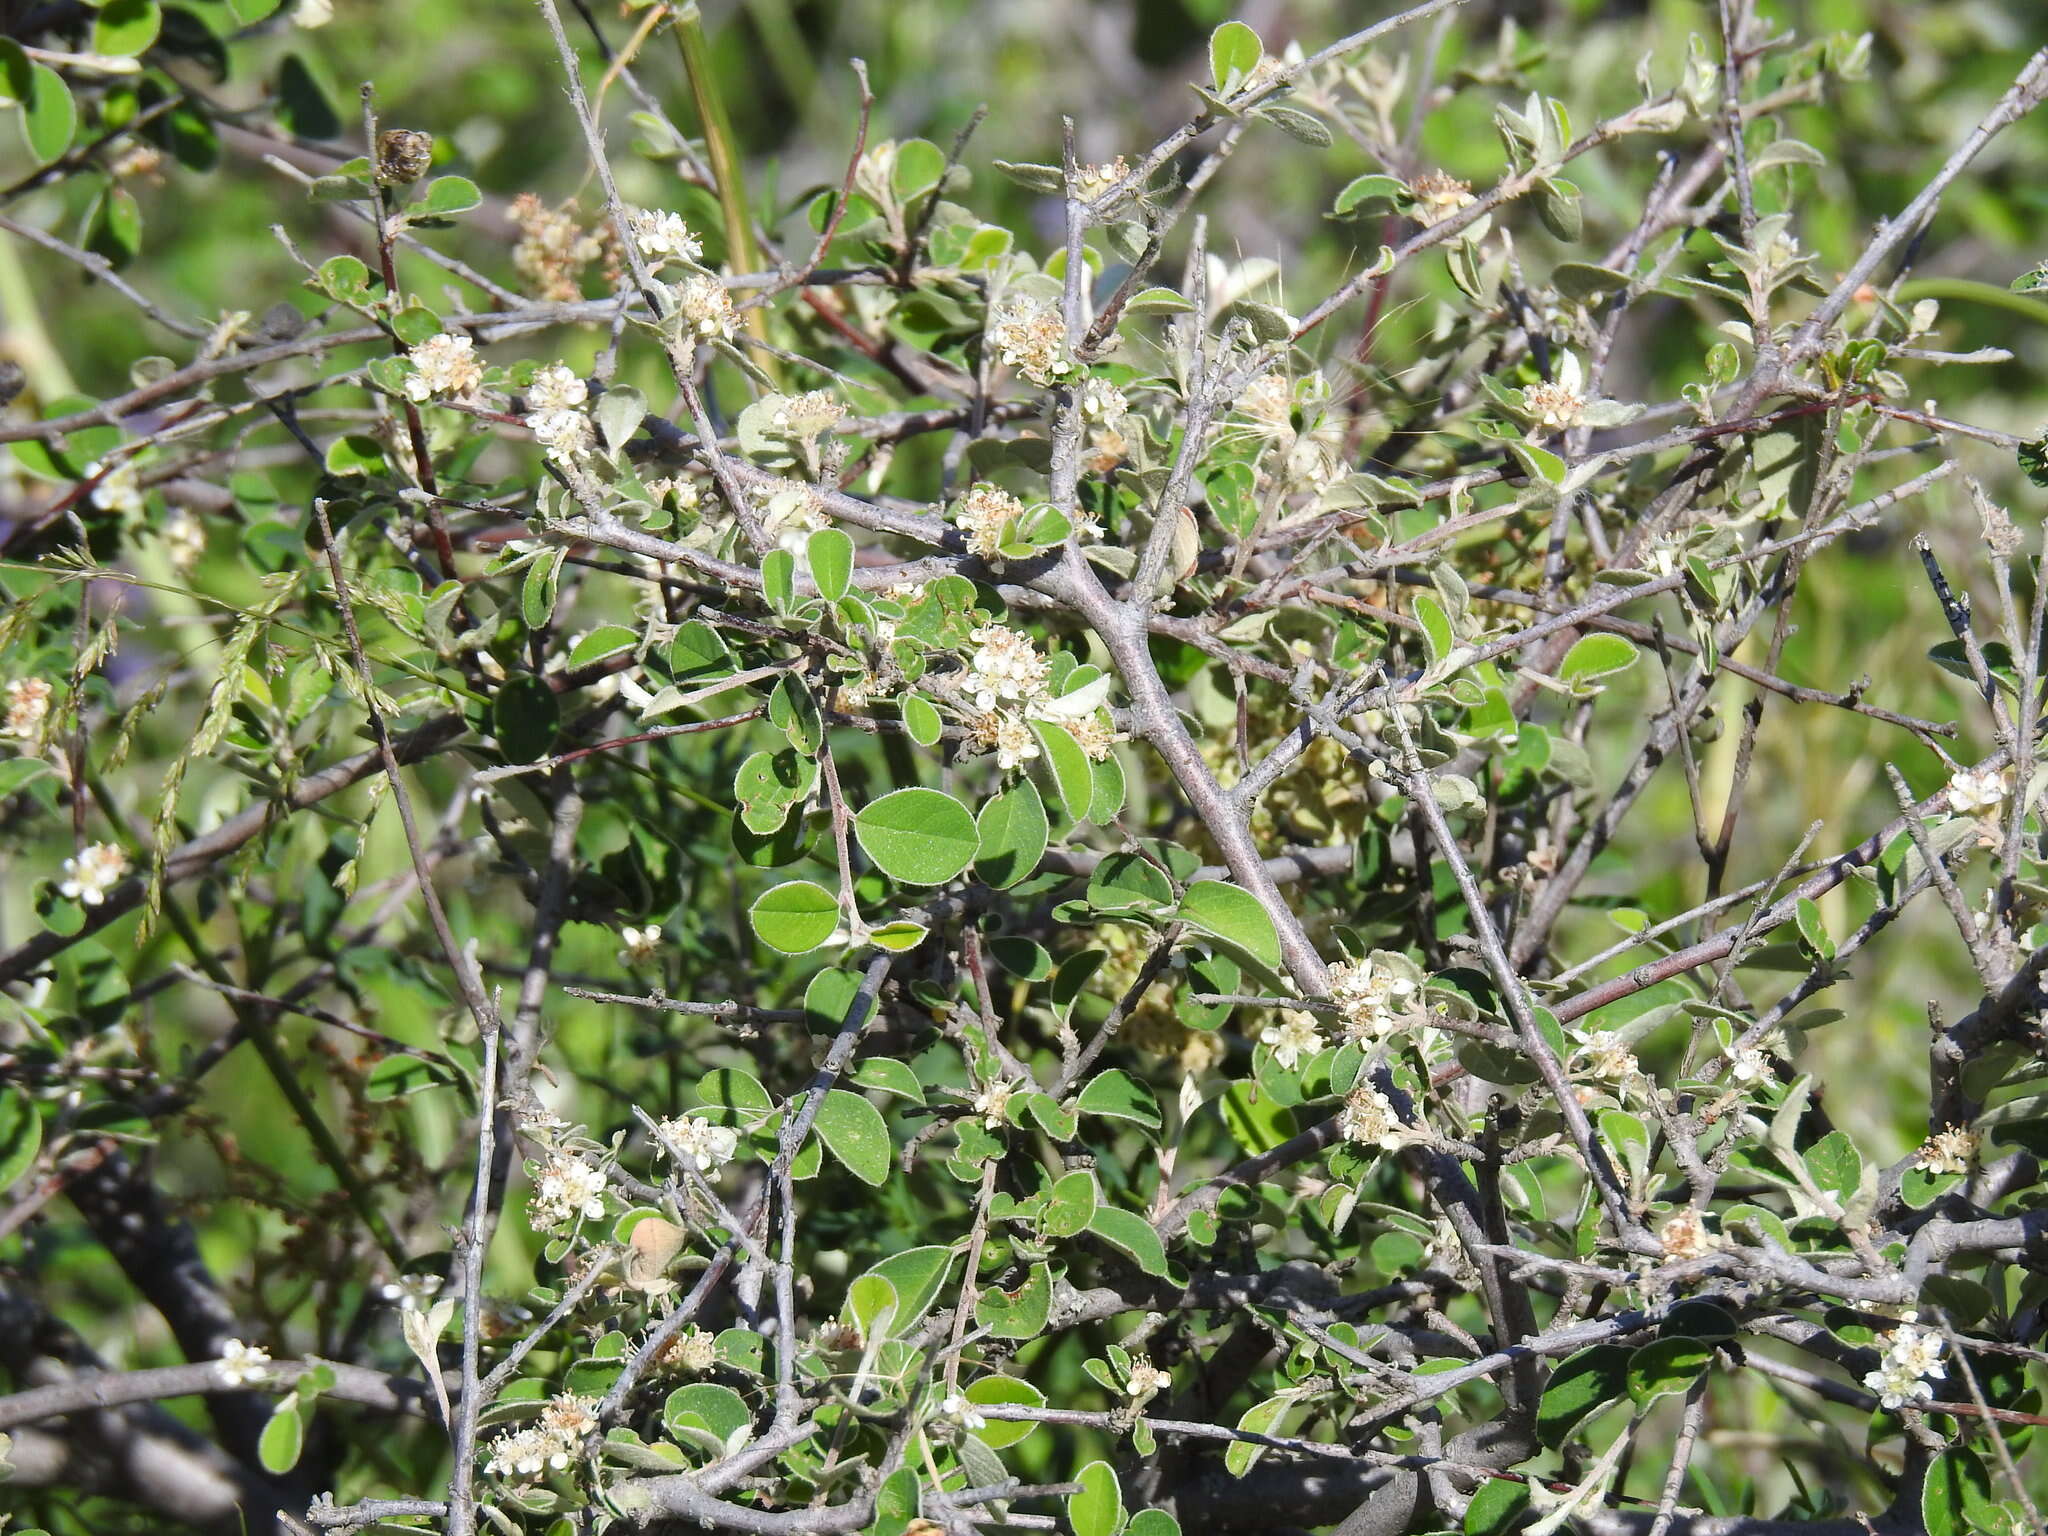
1259	1419
707	1406
1132	1233
1580	1388
1019	1313
537	591
49	117
1069	1205
1370	194
795	917
854	1132
871	1304
606	640
1098	1509
397	1076
446	195
1496	1508
1234	52
1813	930
1158	301
1234	916
921	719
918	1274
525	715
21	1135
733	1089
1956	1496
899	937
1255	1120
1835	1165
1107	802
1004	1391
415	324
778	580
919	165
1120	1096
1073	779
1012	832
126	27
1594	656
886	1074
830	552
283	1437
1152	1522
357	453
1666	1366
917	836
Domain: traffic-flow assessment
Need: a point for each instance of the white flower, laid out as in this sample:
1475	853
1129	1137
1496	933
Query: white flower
806	415
28	706
1971	791
957	1407
1145	1378
708	1146
556	388
1005	733
1269	399
1292	1036
1607	1056
1369	1119
1749	1065
93	873
642	944
411	1292
565	434
1438	196
704	307
1559	404
993	1103
570	1417
1949	1150
1685	1235
1093	737
118	490
1092	181
443	364
1911	1361
313	13
983	514
566	1189
1030	335
694	1350
184	539
523	1453
1371	997
663	237
1005	666
242	1365
1103	403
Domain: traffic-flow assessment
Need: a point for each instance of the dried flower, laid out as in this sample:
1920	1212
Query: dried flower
96	871
1949	1150
553	249
662	237
28	706
242	1365
693	1349
708	1146
704	308
443	364
993	1103
1292	1036
1684	1234
1559	404
1030	335
570	1417
983	514
1911	1362
1438	196
1092	181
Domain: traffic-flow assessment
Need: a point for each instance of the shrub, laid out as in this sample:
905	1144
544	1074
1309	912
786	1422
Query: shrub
950	854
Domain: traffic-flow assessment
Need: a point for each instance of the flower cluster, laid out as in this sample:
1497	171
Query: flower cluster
983	514
1557	405
28	706
702	1143
1910	1364
553	249
693	1349
1438	196
1292	1037
1030	335
807	415
550	1445
566	1190
242	1365
993	1103
1369	1119
704	308
93	873
1608	1057
1092	181
1949	1150
118	489
444	364
1006	667
1684	1234
1371	997
1005	733
663	237
554	414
